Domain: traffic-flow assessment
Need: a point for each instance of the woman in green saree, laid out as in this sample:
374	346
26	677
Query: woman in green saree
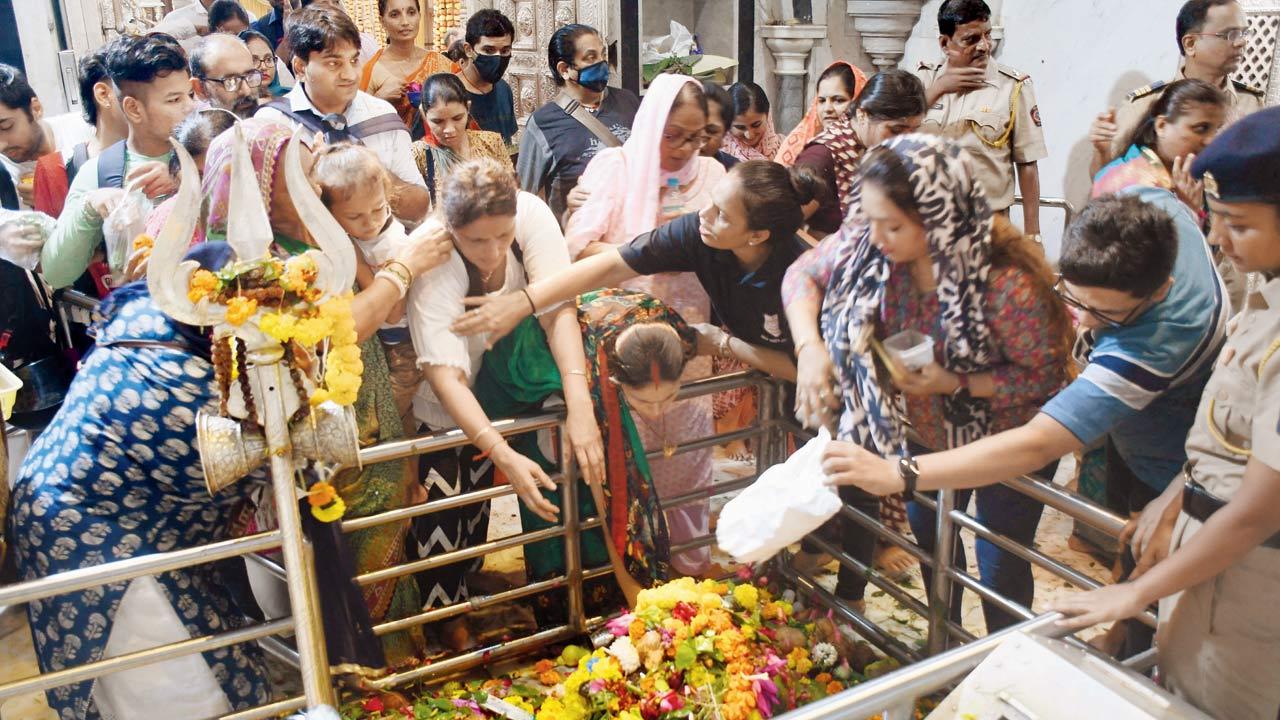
636	348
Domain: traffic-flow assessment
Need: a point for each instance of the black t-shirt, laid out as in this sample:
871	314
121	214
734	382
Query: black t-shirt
555	148
749	304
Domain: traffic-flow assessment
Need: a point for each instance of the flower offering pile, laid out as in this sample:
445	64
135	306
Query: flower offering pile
698	650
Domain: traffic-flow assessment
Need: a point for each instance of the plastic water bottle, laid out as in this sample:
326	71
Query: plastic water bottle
672	200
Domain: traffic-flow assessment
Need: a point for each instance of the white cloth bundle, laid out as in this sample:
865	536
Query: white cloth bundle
786	503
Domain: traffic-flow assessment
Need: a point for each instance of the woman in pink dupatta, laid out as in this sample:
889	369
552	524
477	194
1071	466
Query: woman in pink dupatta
751	136
628	197
838	85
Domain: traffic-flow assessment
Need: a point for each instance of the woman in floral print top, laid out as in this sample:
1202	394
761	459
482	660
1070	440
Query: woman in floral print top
921	251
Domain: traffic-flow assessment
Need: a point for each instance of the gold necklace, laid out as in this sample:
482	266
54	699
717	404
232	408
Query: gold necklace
668	448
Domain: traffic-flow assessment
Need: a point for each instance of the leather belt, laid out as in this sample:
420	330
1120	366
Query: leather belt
1201	504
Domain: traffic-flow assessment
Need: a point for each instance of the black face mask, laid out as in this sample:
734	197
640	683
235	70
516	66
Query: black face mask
491	68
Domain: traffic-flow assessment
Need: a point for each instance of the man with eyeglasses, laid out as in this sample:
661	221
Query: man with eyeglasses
1137	275
224	76
1212	35
988	108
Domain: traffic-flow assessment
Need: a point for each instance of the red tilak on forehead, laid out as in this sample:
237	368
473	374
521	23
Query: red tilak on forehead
655	373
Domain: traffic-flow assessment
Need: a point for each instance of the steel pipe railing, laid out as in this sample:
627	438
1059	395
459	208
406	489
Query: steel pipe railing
769	435
139	658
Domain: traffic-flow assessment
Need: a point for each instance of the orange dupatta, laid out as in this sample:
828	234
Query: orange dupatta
433	63
811	125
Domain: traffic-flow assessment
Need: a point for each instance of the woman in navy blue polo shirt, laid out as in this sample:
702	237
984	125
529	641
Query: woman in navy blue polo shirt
739	247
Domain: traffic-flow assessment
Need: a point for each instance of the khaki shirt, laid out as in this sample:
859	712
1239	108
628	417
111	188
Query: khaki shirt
1245	99
1242	405
979	119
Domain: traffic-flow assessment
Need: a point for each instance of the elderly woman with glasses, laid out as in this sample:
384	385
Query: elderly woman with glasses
657	175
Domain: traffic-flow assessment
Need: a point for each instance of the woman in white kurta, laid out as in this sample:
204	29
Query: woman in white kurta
503	239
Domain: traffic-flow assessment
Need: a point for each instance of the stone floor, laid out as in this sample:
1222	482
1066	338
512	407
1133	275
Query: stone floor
17	660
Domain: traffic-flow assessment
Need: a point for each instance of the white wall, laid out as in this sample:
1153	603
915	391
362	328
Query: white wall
1082	55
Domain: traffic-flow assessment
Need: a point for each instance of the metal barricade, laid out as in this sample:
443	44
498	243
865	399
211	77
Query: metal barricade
1063	204
770	435
268	633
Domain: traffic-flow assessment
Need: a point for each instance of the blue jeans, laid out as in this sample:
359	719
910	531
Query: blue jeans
1006	512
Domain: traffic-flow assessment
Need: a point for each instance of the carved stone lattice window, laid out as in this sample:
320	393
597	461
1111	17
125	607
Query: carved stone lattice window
1259	56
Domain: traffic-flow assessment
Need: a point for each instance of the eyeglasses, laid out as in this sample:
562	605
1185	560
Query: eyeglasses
264	60
1234	35
231	83
1059	289
675	141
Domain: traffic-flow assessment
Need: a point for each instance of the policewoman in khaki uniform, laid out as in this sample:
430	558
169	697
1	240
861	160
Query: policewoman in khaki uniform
988	109
1219	632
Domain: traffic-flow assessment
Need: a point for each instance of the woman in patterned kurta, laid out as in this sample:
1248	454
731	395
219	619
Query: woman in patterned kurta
451	134
375	488
629	189
117	475
979	289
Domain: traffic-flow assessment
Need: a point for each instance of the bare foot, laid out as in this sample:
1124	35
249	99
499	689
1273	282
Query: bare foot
894	562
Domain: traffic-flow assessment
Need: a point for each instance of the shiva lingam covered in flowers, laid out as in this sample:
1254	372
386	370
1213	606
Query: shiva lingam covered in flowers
285	355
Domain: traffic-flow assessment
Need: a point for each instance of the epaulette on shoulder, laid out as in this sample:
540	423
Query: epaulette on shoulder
1245	87
1010	72
1146	90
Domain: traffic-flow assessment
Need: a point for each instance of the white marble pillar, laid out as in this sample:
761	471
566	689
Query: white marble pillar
884	26
790	46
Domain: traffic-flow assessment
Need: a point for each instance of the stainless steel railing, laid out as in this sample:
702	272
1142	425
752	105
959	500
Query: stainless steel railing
770	435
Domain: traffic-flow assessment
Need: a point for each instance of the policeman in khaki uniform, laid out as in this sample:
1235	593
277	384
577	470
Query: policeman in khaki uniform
1212	38
1219	632
1245	100
989	109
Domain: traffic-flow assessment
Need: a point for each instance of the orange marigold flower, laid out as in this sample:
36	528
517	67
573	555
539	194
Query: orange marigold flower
822	678
321	494
203	283
240	309
143	240
834	687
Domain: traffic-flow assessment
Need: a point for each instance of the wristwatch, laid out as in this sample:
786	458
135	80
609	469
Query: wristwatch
909	471
1037	239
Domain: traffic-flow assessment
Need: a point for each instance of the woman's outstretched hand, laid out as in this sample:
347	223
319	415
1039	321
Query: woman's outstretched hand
817	395
586	442
496	315
1105	604
526	477
847	463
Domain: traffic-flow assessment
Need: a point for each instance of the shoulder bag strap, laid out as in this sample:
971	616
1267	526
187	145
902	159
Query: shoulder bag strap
575	110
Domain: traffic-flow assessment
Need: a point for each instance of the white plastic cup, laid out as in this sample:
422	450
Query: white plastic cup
911	349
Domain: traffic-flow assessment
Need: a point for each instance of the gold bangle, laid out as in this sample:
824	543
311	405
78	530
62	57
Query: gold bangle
576	371
407	272
394	278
